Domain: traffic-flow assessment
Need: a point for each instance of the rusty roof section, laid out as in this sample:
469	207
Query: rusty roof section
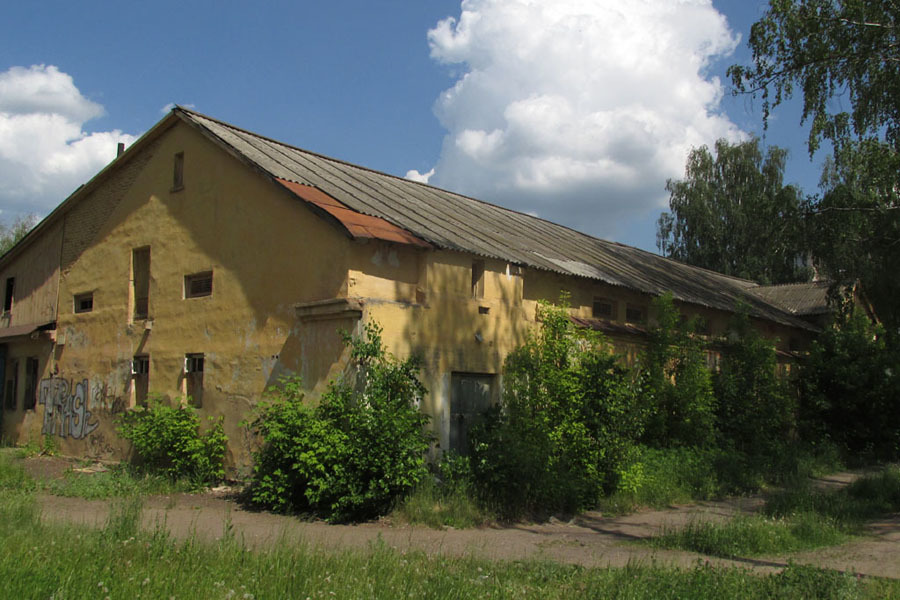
454	222
610	327
357	225
800	299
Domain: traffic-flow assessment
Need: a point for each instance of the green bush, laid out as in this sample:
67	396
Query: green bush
168	440
675	382
756	407
356	453
850	390
567	422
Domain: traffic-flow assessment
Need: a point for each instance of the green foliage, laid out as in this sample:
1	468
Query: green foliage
850	390
753	535
445	499
846	50
168	440
866	498
11	234
356	453
119	481
825	48
122	561
756	409
854	228
733	214
676	385
569	417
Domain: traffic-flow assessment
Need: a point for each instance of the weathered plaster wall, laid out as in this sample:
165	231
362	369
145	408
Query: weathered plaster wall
266	251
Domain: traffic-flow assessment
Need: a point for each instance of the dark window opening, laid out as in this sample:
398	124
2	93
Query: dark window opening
140	378
84	303
8	299
471	394
602	309
198	285
12	384
634	314
478	279
31	383
193	373
140	274
178	172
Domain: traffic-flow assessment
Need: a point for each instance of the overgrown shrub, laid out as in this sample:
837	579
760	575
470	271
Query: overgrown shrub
352	456
756	404
676	386
168	440
567	421
850	389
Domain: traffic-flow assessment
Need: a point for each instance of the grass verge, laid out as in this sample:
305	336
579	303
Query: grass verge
437	506
121	560
800	518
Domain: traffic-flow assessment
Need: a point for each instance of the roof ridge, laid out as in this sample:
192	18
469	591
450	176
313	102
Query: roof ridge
795	283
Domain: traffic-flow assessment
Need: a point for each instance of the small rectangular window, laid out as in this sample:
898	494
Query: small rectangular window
602	309
198	285
140	378
140	280
12	384
10	289
31	383
193	373
634	314
84	302
178	172
478	279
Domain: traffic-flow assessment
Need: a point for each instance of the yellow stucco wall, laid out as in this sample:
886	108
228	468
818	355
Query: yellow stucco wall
266	251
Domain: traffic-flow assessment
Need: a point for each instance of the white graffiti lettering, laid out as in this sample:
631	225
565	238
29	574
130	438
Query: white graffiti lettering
66	411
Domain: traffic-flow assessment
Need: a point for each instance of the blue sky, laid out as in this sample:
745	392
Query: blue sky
574	110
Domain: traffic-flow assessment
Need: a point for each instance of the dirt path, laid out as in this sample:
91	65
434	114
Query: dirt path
590	539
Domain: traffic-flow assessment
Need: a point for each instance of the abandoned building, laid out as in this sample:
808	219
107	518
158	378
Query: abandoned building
207	261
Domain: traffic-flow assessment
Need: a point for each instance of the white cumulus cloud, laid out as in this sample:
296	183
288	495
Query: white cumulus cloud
578	110
45	153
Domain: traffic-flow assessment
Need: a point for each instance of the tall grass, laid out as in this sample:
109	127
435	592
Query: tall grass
119	481
437	506
42	561
799	518
753	536
122	560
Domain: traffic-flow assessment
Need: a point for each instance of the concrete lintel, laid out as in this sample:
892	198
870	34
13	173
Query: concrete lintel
333	308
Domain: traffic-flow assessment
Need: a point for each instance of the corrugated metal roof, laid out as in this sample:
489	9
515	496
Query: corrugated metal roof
455	222
798	298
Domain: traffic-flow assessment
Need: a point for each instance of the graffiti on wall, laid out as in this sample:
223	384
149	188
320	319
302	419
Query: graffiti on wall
66	408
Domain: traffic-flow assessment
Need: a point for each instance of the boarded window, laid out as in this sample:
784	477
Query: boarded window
140	378
84	302
31	383
140	277
193	373
198	285
10	289
478	279
178	172
603	309
12	385
471	394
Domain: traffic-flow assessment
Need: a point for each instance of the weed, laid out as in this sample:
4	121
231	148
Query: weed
754	535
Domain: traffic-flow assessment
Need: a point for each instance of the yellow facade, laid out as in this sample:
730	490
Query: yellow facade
284	280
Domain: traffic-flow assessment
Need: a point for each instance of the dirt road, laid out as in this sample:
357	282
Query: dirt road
589	540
